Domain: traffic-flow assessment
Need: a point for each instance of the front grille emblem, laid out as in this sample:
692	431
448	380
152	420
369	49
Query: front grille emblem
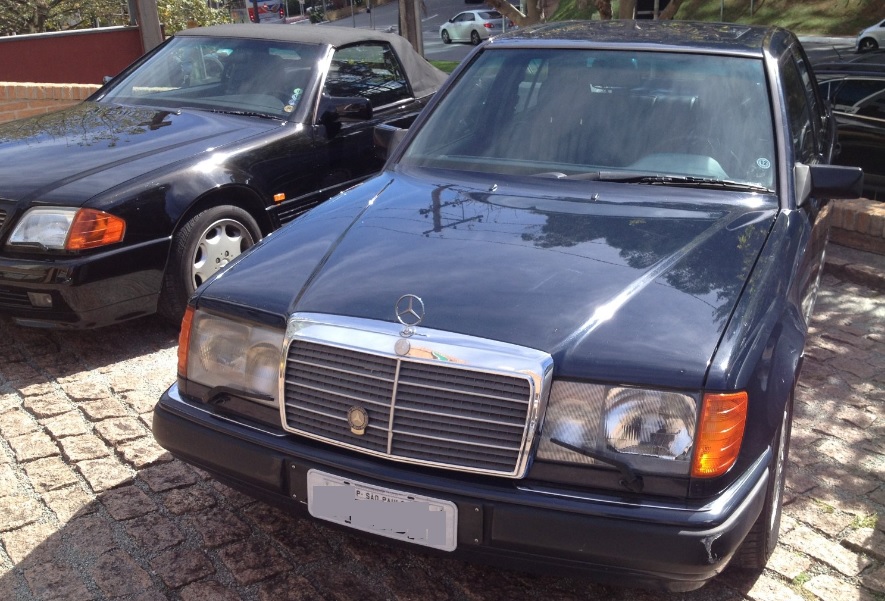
358	420
409	310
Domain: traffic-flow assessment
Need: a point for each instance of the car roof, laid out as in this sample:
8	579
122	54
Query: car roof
321	34
664	35
423	77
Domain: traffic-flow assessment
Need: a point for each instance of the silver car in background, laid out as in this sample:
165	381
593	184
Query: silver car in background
472	26
871	38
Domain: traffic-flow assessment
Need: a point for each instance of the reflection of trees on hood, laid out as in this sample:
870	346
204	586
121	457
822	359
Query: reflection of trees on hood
87	124
644	242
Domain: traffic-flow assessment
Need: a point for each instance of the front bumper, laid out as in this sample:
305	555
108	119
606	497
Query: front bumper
652	543
89	291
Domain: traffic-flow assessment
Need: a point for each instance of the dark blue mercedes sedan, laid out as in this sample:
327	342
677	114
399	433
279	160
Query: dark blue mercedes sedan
560	331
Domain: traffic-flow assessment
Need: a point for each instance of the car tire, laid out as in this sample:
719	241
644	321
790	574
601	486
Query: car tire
204	244
761	540
445	37
867	45
474	38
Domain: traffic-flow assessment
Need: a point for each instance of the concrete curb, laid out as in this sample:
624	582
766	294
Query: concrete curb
856	251
857	266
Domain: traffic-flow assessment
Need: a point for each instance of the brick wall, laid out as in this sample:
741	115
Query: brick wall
859	224
19	100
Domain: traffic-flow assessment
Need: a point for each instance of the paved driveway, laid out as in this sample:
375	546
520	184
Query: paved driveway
92	508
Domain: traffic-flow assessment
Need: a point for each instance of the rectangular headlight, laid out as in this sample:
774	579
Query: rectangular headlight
650	430
239	356
44	227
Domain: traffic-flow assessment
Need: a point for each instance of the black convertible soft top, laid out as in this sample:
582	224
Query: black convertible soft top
424	77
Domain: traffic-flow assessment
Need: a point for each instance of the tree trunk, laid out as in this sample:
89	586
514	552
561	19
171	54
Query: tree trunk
511	12
605	9
670	11
628	7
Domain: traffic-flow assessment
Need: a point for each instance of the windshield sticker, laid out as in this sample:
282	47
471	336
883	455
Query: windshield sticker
293	100
763	163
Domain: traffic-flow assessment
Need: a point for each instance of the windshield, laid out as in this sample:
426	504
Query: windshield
568	112
220	74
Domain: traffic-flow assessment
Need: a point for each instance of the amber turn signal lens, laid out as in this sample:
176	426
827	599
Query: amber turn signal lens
720	432
184	341
92	229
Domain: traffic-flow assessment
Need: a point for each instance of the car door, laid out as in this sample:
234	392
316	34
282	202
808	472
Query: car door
859	105
462	26
345	147
812	138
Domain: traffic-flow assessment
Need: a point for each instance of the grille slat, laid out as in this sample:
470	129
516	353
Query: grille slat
444	413
14	298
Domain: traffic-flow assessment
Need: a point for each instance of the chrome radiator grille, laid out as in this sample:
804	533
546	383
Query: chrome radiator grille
431	412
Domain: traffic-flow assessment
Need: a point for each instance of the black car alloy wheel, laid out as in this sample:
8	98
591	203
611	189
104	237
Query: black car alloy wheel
445	37
203	245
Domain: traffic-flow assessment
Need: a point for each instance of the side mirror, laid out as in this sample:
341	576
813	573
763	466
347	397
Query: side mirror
335	108
386	138
827	182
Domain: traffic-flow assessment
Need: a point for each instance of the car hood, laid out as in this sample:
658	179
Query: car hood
620	282
70	156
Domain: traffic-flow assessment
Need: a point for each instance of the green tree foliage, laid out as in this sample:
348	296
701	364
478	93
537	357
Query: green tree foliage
176	15
38	16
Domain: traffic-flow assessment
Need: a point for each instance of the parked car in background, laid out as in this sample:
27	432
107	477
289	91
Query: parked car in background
871	38
124	204
856	90
472	26
561	330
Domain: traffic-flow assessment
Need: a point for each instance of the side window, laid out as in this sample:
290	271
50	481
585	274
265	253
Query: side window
862	97
370	71
798	112
815	103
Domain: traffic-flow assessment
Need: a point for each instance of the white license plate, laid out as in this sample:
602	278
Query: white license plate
391	513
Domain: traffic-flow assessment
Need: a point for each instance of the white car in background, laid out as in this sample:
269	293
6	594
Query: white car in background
472	26
871	38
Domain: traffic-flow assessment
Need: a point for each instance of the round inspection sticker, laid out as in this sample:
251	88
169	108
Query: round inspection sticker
288	108
763	163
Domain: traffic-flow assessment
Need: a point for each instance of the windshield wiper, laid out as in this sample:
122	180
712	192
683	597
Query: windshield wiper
232	112
690	181
630	479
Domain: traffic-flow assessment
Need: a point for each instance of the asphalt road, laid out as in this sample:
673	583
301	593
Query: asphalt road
92	508
437	12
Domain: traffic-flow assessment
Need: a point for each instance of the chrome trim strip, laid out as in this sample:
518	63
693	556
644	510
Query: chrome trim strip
429	347
392	408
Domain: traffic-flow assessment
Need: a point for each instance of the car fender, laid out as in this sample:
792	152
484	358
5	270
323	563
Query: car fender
766	335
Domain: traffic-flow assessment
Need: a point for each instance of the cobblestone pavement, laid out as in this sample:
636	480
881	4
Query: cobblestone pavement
92	508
